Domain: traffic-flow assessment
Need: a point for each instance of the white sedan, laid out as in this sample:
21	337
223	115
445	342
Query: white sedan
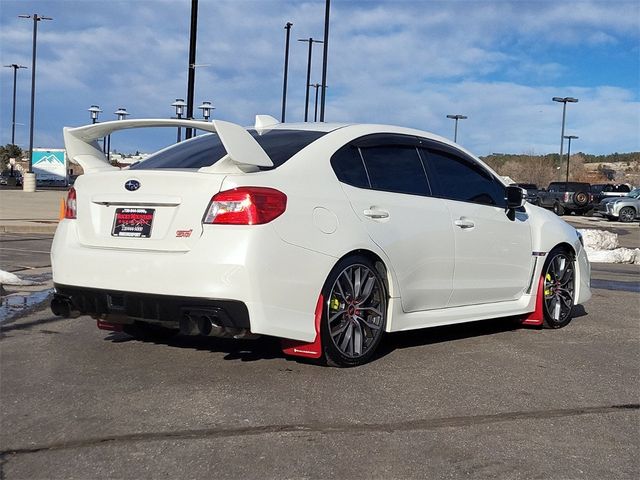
324	235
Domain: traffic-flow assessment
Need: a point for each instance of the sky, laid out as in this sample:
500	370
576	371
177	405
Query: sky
397	62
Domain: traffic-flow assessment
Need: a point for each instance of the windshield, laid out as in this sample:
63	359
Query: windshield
205	150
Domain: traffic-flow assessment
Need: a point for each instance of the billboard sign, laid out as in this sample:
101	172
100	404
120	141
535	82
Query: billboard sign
50	165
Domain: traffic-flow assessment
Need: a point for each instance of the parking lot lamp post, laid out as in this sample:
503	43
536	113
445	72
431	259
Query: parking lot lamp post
122	114
94	110
325	53
15	67
287	27
564	101
315	112
306	98
569	137
179	106
455	131
29	183
206	108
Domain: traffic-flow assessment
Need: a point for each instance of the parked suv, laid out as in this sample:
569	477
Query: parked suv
624	209
566	197
609	190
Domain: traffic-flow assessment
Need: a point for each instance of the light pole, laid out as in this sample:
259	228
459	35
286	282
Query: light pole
15	67
94	110
306	98
122	114
287	27
456	118
29	183
315	112
569	137
325	52
179	106
206	108
192	64
564	101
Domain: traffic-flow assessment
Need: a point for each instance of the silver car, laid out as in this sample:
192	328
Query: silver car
624	209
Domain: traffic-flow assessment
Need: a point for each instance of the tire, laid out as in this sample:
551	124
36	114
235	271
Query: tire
148	331
354	316
559	288
581	198
627	214
558	209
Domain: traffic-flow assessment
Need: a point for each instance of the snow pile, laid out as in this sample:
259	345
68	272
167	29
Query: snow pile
7	278
602	246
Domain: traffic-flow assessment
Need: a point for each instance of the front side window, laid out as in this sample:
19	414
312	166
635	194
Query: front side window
457	178
395	168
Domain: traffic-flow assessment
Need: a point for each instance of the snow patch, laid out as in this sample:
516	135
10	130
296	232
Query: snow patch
602	246
7	278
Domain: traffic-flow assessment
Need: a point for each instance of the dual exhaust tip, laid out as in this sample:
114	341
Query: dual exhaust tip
210	326
62	306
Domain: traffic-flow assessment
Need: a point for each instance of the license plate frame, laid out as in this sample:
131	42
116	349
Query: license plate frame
131	222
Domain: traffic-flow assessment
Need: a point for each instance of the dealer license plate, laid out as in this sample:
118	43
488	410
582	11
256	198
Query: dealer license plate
133	222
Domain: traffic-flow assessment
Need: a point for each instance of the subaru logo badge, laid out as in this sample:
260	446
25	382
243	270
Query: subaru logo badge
132	185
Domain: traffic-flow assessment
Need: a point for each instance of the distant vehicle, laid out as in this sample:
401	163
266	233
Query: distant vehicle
601	191
11	178
531	191
624	209
566	197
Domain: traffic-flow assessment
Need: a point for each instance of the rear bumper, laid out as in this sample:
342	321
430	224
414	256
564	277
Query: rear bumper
278	283
159	308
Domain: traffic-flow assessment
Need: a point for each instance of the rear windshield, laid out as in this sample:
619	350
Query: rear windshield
205	150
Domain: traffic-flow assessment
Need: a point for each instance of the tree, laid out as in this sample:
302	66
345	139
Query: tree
7	152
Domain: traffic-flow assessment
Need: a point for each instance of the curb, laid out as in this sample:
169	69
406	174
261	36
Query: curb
35	227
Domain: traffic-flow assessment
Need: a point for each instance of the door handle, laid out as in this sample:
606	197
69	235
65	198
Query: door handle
376	214
464	223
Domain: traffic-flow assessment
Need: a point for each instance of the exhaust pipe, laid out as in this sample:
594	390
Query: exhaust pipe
188	326
209	327
61	306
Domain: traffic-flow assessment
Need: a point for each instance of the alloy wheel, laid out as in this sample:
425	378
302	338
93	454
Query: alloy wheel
356	311
627	214
559	289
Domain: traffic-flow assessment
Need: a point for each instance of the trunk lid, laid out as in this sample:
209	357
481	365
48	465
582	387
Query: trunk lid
164	212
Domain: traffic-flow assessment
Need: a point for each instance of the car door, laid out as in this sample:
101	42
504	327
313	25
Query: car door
492	251
384	179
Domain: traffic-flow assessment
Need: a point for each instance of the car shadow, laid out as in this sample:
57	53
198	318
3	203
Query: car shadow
268	348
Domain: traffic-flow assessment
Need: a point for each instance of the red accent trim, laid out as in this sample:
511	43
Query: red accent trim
536	317
112	327
304	349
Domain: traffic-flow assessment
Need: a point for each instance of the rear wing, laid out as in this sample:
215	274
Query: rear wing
82	145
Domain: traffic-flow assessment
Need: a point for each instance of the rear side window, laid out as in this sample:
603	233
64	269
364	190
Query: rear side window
395	168
349	168
205	150
460	179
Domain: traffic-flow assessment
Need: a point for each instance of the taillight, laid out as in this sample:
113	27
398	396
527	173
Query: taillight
246	206
71	206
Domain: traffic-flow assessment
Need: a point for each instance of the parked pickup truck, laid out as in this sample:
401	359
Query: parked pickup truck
565	197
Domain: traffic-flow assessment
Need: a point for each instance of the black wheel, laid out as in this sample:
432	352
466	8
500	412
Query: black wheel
581	199
148	331
559	288
355	312
627	214
558	209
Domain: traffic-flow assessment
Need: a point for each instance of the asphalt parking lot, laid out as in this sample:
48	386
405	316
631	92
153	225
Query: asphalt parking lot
485	400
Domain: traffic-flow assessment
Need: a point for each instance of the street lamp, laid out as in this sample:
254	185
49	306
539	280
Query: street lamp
306	99
206	108
315	112
94	110
15	67
564	101
179	106
191	80
456	118
325	53
29	183
287	27
569	137
122	114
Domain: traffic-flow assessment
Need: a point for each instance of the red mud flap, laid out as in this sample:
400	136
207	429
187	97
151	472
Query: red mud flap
303	349
112	327
536	317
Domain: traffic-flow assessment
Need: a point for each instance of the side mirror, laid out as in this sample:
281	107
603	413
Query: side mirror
515	197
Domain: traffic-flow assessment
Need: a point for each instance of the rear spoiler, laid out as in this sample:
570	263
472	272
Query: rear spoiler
82	145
